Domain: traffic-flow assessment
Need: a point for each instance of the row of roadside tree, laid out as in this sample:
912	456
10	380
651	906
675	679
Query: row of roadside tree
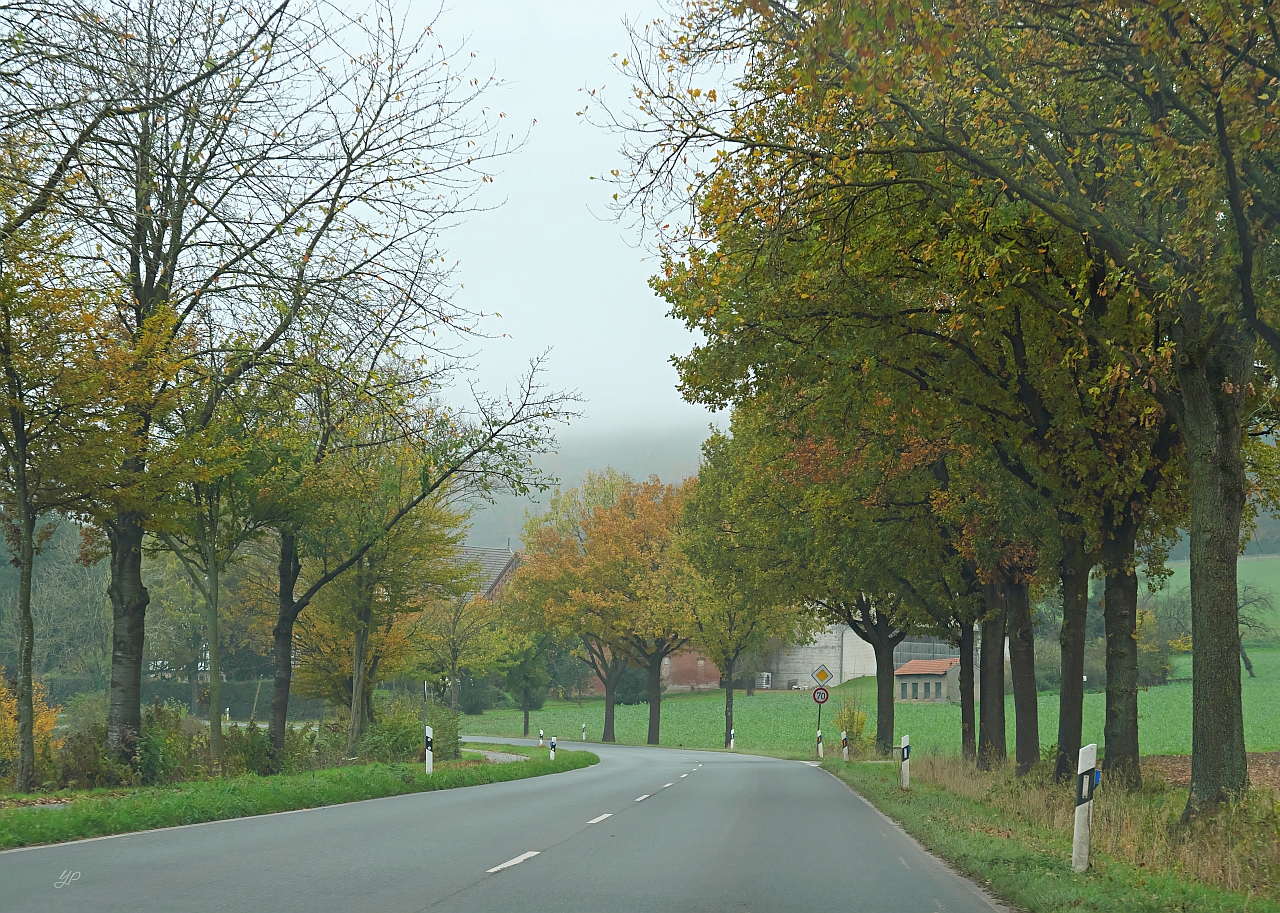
994	286
226	323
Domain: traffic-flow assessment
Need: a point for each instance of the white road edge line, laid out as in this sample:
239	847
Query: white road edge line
642	798
601	818
510	862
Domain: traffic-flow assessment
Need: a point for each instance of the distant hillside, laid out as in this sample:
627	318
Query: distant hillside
670	453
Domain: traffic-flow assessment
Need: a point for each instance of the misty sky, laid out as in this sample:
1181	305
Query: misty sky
550	259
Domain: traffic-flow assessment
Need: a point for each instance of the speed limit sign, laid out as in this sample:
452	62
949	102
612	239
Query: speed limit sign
820	695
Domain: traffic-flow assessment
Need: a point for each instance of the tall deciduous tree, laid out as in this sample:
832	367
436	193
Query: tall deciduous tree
328	155
60	430
741	604
1092	117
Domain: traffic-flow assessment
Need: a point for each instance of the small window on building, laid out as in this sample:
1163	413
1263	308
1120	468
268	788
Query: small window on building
926	691
904	691
915	690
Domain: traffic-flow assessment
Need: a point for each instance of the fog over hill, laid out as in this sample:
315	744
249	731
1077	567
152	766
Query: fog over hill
669	453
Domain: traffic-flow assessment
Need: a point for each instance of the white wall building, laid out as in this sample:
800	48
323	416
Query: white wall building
847	656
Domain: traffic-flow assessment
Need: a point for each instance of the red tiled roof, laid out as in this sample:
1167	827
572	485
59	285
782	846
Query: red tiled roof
928	666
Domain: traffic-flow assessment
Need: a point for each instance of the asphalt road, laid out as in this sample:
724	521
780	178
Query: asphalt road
685	831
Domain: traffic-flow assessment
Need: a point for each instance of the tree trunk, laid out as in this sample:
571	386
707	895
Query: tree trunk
359	660
288	570
525	702
1074	572
1244	658
215	643
728	702
992	744
655	698
610	694
1022	665
1120	611
129	599
968	730
453	685
26	773
1210	422
884	696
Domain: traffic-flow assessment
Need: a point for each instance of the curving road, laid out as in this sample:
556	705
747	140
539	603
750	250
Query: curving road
644	830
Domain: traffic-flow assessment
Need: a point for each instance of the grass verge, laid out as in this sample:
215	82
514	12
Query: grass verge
105	812
1029	864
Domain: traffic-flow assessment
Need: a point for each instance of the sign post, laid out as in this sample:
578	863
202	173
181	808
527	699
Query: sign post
820	697
844	744
429	746
553	748
1086	782
906	762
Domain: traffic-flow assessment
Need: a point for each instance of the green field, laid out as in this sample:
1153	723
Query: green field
1264	573
781	722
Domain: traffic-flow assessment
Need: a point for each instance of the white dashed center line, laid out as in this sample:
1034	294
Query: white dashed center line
510	862
665	785
682	776
601	818
642	798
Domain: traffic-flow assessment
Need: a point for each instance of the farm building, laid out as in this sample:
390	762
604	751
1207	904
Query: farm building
928	680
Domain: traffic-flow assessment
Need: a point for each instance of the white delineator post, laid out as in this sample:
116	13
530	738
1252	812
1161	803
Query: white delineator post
1086	782
844	744
732	733
553	748
429	746
539	738
584	732
906	762
819	743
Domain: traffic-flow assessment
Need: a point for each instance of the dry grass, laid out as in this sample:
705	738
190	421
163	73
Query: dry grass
1237	850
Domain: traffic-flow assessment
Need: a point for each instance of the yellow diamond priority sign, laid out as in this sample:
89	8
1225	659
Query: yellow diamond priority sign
822	675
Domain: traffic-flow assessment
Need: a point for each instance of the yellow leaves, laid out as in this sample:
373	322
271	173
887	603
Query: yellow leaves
46	718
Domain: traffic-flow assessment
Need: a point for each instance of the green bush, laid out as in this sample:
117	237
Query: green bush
476	694
397	733
84	710
633	688
245	749
444	722
85	763
173	746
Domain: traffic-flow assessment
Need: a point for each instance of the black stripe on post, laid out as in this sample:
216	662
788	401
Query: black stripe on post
1084	787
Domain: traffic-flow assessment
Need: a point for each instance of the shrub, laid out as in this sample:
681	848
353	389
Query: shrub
1048	664
173	746
299	753
1154	651
444	722
83	710
853	722
46	718
633	687
245	749
476	694
397	734
85	763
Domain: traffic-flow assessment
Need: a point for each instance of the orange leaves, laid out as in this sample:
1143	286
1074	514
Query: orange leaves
607	574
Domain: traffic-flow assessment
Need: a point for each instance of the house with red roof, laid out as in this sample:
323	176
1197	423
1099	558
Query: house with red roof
929	680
